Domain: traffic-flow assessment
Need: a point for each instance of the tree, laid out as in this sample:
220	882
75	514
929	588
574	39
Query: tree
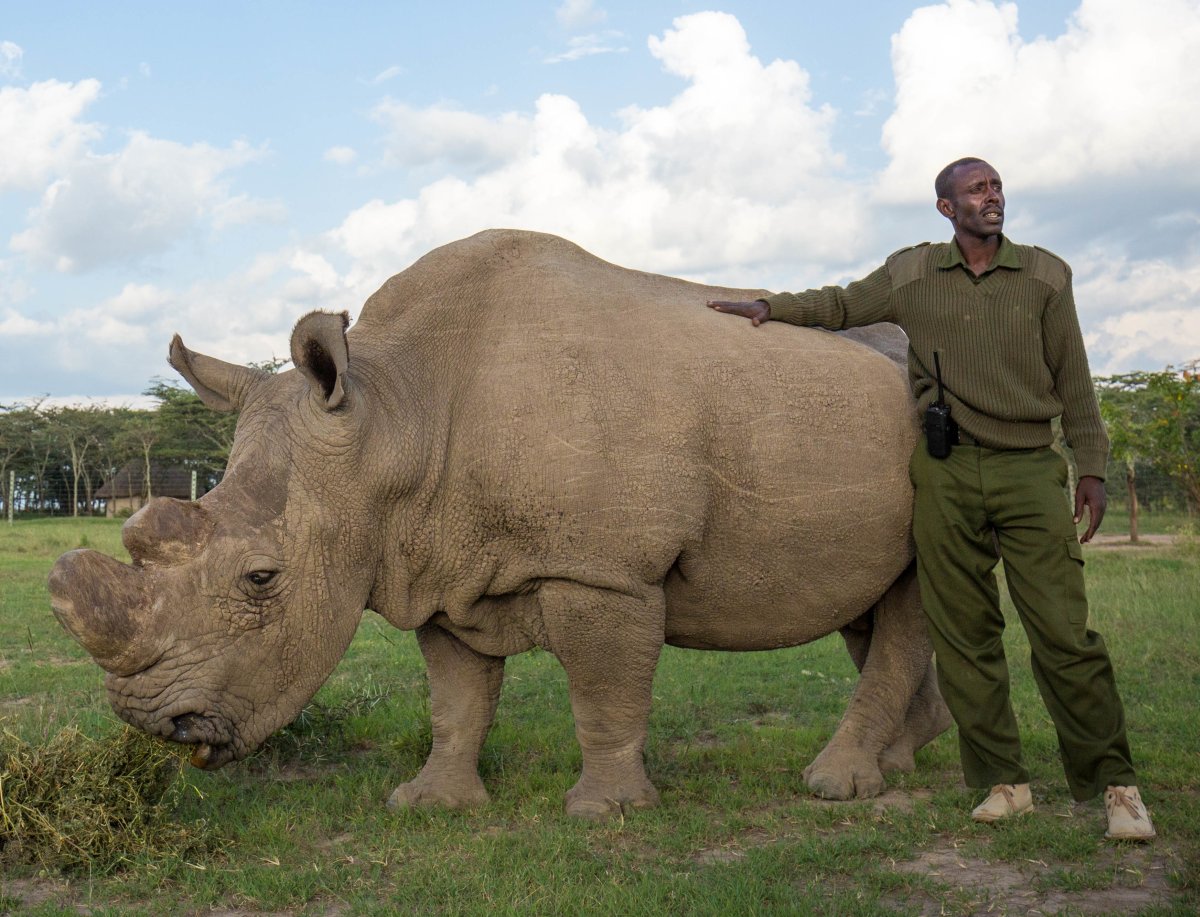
14	422
1122	411
191	434
140	432
82	432
1155	416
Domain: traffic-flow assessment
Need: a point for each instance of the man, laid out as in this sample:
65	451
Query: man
999	320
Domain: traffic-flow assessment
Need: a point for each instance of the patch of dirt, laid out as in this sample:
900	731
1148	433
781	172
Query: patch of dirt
976	886
36	892
979	886
1114	542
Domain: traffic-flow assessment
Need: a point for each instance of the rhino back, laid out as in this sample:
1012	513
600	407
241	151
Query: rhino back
601	424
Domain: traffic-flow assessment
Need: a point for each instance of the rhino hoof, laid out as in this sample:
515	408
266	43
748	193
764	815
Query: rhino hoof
420	794
603	808
844	779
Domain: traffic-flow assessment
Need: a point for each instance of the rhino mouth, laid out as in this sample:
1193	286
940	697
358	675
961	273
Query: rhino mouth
210	737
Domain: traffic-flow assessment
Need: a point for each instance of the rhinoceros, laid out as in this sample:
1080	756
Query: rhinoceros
520	445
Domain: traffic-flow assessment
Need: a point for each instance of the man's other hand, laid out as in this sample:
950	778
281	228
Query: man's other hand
1090	494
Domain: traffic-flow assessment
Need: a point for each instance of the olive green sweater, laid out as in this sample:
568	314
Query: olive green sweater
1009	344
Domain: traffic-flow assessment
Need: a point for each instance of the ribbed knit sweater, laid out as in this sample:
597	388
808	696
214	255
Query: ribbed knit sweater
1009	344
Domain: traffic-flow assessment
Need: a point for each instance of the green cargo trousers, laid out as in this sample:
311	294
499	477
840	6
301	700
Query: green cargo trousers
1017	494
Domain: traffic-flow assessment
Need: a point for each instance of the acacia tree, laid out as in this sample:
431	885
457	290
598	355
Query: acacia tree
1155	416
1121	410
189	432
84	434
140	432
13	446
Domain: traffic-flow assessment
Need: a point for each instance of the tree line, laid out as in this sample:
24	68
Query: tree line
1153	421
58	457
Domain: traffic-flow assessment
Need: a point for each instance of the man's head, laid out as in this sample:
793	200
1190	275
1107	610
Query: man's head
971	196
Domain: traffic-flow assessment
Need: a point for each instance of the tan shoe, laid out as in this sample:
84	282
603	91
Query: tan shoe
1128	819
1006	799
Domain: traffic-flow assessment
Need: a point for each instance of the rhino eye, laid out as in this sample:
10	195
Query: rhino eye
261	578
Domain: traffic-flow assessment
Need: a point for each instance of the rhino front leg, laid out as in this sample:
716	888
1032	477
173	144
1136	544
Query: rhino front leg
895	665
609	644
464	688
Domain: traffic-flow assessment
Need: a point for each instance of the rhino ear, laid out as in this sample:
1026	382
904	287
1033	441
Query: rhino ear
222	386
320	352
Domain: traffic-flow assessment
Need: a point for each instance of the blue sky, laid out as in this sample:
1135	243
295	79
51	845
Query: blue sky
220	169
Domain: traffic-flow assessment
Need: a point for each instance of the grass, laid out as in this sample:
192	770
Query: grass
301	827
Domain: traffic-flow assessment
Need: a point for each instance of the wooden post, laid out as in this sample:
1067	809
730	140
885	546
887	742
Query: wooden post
12	486
193	485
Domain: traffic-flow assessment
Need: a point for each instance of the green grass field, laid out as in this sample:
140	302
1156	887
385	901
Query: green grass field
301	828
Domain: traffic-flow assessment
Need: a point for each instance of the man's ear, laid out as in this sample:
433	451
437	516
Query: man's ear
945	208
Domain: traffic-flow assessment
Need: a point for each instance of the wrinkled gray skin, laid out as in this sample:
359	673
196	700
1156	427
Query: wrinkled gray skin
519	445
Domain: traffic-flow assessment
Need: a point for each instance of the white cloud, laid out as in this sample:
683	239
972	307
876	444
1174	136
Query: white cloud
136	202
10	58
245	317
384	75
342	155
424	136
41	133
581	46
736	170
14	325
579	14
1114	95
1143	313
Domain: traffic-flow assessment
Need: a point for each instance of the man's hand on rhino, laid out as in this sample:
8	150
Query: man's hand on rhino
757	311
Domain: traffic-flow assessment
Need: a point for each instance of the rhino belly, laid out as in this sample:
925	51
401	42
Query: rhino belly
742	615
766	580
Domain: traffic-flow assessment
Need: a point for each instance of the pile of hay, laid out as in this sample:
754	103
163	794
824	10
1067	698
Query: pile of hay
83	804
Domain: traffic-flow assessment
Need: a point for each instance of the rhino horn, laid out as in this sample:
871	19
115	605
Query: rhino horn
166	531
222	386
100	602
320	352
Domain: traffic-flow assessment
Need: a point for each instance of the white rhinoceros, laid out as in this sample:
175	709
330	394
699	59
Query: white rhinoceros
519	445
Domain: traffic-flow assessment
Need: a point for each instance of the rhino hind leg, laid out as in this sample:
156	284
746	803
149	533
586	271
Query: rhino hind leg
894	708
608	643
927	716
926	719
464	688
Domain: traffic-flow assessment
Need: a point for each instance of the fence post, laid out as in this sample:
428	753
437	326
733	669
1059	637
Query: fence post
12	486
193	485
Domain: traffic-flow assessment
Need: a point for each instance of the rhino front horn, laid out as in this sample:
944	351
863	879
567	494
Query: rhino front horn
99	601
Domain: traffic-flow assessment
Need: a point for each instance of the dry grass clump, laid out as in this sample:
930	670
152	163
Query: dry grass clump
83	804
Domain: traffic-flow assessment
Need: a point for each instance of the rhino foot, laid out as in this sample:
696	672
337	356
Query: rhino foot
898	757
588	800
843	773
424	792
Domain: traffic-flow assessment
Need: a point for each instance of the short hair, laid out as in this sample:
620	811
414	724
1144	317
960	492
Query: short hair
941	184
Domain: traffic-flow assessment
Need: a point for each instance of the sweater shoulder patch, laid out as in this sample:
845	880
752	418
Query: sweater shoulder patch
1049	268
908	264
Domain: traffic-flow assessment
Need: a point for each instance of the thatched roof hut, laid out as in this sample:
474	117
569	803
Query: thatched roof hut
127	491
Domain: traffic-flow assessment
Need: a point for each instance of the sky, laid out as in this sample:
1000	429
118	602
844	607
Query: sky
220	169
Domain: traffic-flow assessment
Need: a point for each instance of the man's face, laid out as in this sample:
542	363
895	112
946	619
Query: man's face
975	204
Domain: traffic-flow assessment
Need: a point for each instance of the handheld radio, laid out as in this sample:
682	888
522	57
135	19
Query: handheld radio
941	432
